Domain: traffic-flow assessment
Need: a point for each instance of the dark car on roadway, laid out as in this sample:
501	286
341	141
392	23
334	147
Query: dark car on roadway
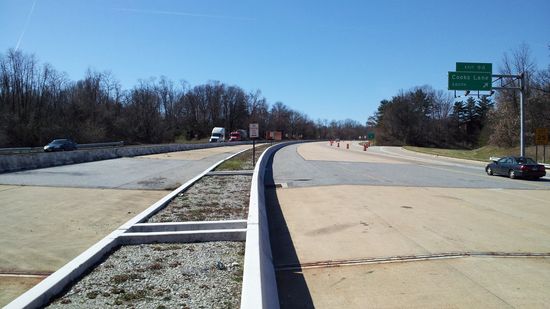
60	145
516	167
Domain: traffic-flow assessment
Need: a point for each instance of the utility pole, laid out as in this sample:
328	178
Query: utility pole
521	116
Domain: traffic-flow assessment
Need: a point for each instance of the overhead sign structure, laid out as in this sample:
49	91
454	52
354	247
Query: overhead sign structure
254	129
471	76
541	136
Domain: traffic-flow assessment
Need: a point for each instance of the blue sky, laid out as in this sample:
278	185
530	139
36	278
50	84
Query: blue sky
327	59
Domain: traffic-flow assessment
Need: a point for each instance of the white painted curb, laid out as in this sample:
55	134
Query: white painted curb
182	236
187	226
259	282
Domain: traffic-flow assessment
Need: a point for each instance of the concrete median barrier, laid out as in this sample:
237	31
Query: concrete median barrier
259	283
27	161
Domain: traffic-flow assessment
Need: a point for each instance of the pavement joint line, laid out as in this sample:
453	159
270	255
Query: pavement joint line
25	274
413	186
409	258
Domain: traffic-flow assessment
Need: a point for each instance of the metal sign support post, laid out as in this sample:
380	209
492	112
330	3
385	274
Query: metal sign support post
254	133
253	152
521	78
521	116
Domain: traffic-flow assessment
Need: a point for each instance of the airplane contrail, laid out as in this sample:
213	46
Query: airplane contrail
26	26
183	14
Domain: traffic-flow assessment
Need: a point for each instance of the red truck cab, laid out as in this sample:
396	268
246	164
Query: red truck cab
237	136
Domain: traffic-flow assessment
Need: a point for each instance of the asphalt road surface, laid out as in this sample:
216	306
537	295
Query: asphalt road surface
384	166
153	172
389	228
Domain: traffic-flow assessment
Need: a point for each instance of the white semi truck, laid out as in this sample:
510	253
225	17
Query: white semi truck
218	135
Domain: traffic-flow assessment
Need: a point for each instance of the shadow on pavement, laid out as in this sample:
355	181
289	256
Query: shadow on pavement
291	285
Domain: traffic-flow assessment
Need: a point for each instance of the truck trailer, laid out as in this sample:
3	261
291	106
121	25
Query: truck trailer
218	135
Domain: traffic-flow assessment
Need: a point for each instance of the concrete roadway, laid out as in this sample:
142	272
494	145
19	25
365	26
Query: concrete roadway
384	218
51	215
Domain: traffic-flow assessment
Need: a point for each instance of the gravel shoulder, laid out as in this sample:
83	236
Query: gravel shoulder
211	198
199	275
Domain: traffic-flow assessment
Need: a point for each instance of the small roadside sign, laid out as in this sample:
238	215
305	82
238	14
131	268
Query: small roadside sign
254	129
541	136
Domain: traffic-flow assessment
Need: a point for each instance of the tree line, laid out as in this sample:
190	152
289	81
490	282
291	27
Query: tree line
425	117
39	103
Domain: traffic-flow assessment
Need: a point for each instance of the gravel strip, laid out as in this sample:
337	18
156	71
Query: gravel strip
243	161
211	198
199	275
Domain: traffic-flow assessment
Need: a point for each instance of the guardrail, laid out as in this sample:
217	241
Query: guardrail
97	145
16	162
22	150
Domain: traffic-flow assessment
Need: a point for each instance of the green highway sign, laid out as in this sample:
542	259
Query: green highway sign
474	67
370	135
470	81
